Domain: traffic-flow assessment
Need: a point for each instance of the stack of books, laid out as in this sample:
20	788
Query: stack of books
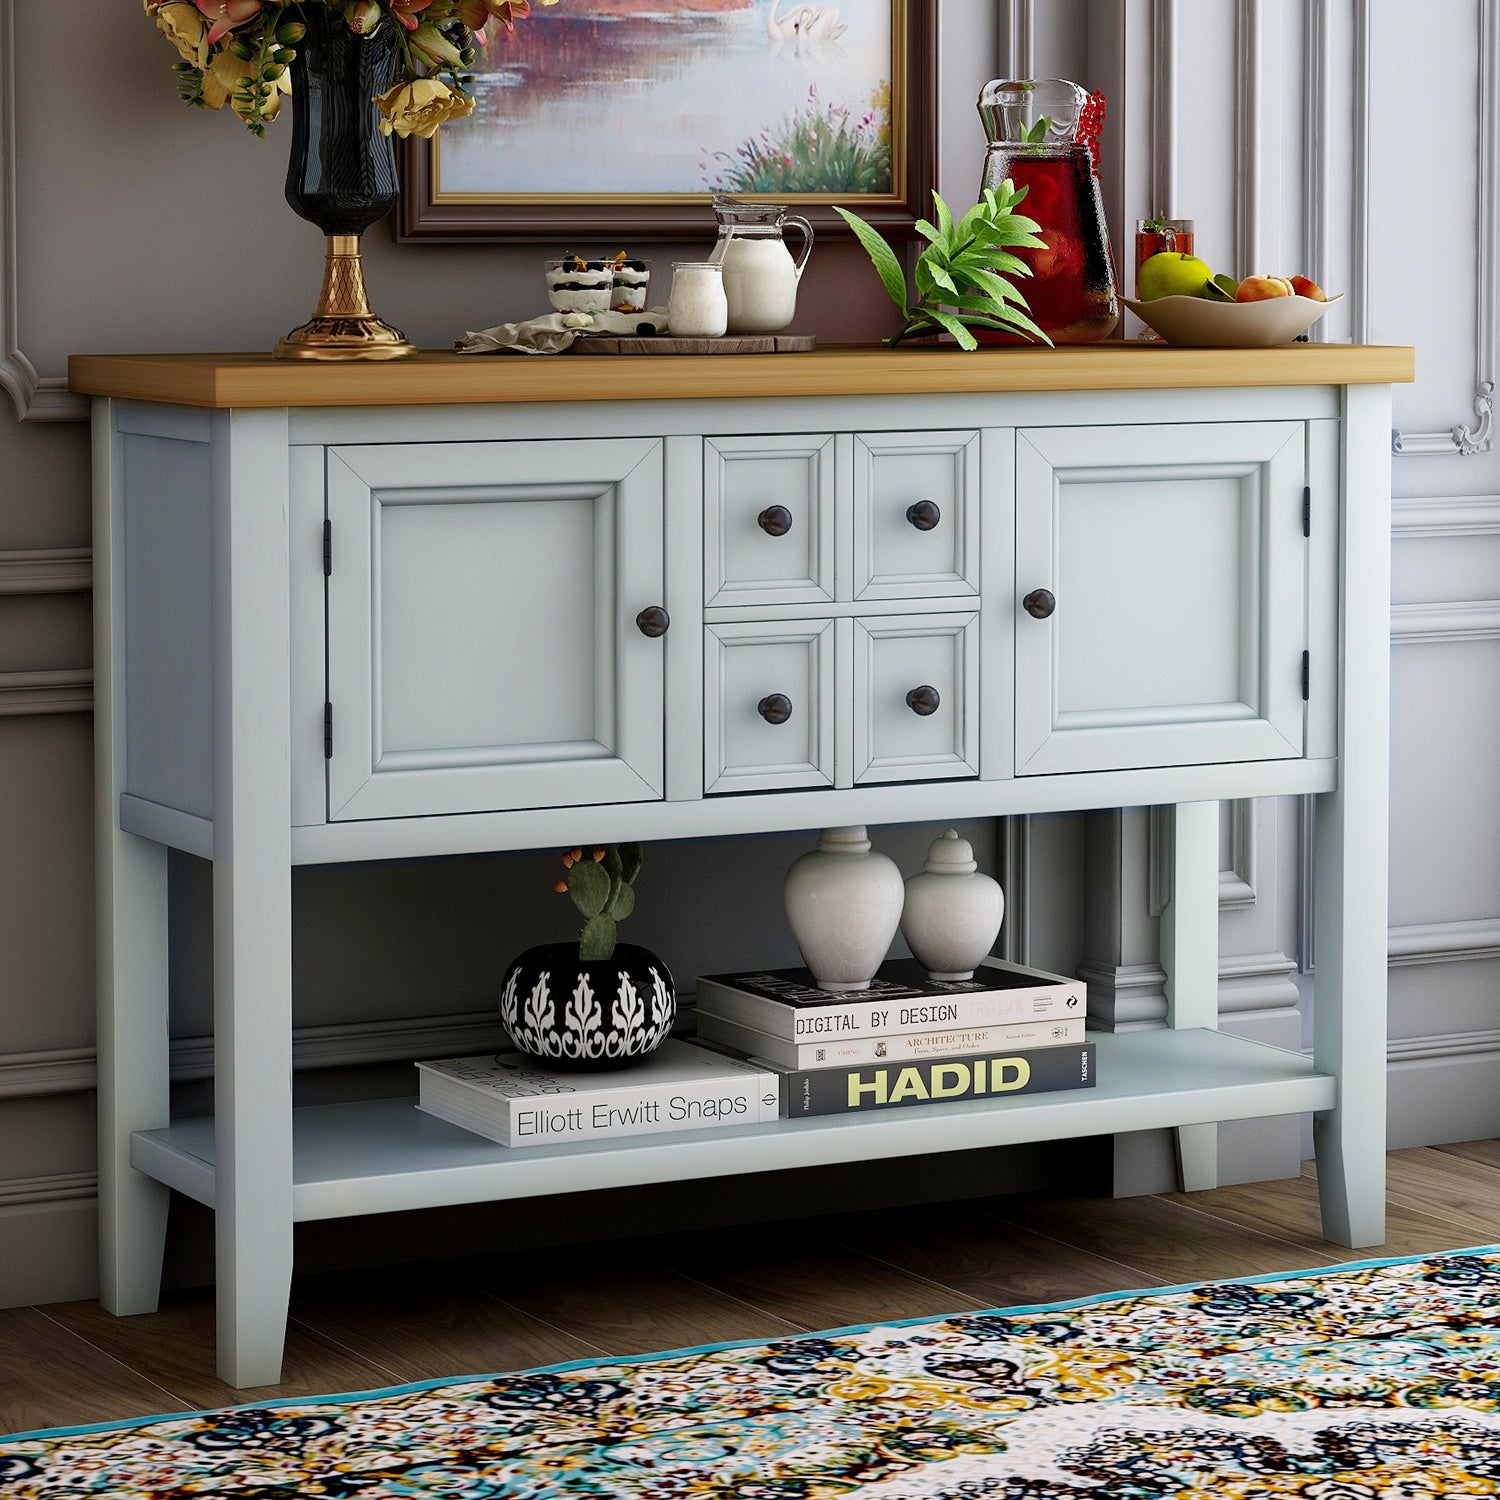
905	1040
518	1102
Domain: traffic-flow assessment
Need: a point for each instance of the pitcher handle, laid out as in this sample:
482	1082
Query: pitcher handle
796	221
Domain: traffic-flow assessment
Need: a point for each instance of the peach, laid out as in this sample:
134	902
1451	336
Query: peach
1259	288
1305	288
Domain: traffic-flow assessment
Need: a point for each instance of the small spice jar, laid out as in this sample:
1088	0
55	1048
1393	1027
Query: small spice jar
697	308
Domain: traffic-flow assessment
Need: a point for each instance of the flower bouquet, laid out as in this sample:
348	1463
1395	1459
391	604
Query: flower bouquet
357	72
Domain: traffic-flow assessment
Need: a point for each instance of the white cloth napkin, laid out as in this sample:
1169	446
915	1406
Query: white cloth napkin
556	331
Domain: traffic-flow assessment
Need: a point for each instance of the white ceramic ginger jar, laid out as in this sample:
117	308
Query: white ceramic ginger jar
843	902
953	912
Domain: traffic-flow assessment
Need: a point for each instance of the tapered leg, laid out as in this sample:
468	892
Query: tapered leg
1190	955
252	896
1351	880
130	890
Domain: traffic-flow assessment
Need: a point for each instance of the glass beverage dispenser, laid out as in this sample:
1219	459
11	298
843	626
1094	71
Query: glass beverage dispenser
1043	136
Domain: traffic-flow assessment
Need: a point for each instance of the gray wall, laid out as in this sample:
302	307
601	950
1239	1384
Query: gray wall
137	225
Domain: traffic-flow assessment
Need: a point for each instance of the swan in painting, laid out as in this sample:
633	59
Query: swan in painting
804	22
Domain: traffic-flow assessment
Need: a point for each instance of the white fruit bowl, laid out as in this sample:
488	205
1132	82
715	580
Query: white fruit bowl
1203	324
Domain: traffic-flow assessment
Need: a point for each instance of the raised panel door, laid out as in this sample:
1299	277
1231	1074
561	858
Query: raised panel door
1160	595
483	649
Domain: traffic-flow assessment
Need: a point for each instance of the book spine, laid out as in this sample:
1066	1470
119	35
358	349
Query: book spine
832	1091
858	1019
706	1105
839	1053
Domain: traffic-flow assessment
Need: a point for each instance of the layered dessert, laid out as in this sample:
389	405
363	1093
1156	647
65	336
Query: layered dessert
631	279
578	285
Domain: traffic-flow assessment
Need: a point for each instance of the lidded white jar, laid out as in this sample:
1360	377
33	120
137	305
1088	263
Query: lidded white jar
953	913
843	902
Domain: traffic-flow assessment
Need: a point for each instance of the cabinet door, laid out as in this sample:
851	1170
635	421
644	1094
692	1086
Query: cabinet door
916	514
1175	559
768	520
916	687
769	704
483	650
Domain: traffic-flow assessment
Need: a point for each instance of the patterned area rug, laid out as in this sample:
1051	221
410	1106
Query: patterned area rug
1376	1381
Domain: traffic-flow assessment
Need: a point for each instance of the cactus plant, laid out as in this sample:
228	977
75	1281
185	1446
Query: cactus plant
602	887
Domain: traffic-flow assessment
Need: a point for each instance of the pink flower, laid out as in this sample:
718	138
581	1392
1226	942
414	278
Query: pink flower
405	11
225	15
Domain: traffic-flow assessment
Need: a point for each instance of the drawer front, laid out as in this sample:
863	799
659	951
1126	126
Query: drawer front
916	697
768	520
1176	566
769	700
916	514
483	651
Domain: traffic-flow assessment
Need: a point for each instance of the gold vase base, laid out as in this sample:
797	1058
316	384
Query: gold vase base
344	339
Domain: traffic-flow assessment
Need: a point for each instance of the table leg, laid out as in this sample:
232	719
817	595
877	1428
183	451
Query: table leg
1190	955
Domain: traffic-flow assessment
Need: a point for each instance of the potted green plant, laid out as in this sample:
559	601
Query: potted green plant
963	276
597	1003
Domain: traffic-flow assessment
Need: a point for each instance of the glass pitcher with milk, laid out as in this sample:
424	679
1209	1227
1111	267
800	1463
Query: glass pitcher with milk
760	276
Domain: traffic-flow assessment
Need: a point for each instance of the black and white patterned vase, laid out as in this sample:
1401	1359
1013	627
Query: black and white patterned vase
588	1013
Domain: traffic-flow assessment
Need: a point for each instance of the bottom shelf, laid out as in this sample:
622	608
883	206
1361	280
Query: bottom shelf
384	1155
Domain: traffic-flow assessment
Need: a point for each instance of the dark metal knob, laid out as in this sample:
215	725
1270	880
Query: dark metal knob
1039	603
775	520
923	700
924	515
775	709
653	621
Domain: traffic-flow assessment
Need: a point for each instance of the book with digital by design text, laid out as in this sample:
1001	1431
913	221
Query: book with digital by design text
519	1102
935	1080
901	999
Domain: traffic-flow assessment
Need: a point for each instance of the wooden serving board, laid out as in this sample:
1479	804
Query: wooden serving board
732	343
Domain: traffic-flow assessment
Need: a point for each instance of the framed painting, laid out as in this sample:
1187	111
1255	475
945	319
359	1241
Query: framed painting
618	119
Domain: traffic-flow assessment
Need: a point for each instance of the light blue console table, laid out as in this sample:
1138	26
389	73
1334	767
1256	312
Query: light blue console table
455	605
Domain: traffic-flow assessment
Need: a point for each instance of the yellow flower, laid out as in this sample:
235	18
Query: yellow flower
183	26
228	76
419	107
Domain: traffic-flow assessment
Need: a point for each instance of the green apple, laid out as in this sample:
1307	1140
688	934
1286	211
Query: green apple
1172	274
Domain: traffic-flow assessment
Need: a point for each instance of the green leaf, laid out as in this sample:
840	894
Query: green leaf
928	231
966	340
588	885
598	939
630	862
884	258
612	865
944	217
997	286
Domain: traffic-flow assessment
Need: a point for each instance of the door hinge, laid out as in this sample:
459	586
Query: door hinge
1306	673
1306	510
327	549
328	731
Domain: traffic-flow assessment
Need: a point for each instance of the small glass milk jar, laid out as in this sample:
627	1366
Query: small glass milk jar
697	308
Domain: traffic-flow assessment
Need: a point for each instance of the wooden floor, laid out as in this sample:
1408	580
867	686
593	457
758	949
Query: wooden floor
72	1363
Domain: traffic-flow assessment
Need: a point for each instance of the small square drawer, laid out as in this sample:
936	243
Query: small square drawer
768	706
916	514
768	520
916	697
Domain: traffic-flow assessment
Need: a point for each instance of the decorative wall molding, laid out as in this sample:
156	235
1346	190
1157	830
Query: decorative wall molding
65	692
1257	982
1163	108
38	398
354	1044
1445	516
1409	1049
54	570
1237	884
1017	39
1431	624
1133	997
1359	269
59	1187
1461	438
1444	942
1013	836
1317	143
1249	130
